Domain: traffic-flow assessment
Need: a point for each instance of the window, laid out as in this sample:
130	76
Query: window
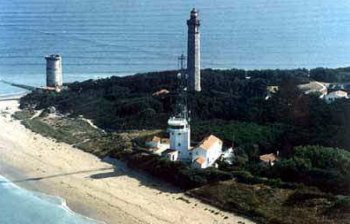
179	144
176	127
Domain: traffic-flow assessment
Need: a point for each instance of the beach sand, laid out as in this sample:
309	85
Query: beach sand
94	188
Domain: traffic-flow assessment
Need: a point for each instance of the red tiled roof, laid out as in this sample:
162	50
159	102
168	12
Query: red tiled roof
338	92
161	92
200	160
208	142
268	157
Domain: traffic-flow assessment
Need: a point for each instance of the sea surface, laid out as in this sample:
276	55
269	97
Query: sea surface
99	38
20	206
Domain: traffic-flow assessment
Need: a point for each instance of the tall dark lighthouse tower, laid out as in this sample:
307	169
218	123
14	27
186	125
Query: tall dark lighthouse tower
193	52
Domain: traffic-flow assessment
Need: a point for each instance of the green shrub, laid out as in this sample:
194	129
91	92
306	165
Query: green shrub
303	194
324	167
325	157
342	203
176	173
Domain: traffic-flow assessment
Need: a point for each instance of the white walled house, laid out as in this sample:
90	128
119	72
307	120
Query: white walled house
179	134
172	155
338	94
158	145
207	152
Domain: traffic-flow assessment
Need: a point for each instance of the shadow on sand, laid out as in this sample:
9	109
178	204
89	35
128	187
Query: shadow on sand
145	179
55	175
118	169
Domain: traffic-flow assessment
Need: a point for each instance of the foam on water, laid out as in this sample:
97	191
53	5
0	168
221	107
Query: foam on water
21	206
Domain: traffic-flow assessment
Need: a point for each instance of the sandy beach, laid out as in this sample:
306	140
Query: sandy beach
94	188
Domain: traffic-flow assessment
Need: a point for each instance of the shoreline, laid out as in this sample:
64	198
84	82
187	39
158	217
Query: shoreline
92	187
41	193
13	96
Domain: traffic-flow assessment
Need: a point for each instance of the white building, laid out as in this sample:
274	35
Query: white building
207	152
179	131
157	145
228	156
338	94
172	155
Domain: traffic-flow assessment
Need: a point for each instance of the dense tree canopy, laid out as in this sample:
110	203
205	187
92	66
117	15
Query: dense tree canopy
119	103
327	168
331	75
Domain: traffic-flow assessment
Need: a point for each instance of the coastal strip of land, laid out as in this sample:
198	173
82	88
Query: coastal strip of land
12	97
111	193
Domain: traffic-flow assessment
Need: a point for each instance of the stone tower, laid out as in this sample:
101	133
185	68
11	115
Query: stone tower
193	52
53	71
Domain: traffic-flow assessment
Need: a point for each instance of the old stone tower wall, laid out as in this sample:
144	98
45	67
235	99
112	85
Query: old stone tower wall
53	71
193	53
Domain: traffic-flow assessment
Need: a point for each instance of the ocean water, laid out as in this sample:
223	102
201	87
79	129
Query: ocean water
103	37
99	38
19	206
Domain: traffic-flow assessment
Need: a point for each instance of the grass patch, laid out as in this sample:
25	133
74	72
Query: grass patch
77	132
40	127
112	144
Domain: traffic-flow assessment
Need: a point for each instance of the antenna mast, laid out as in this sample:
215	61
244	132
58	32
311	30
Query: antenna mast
181	104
